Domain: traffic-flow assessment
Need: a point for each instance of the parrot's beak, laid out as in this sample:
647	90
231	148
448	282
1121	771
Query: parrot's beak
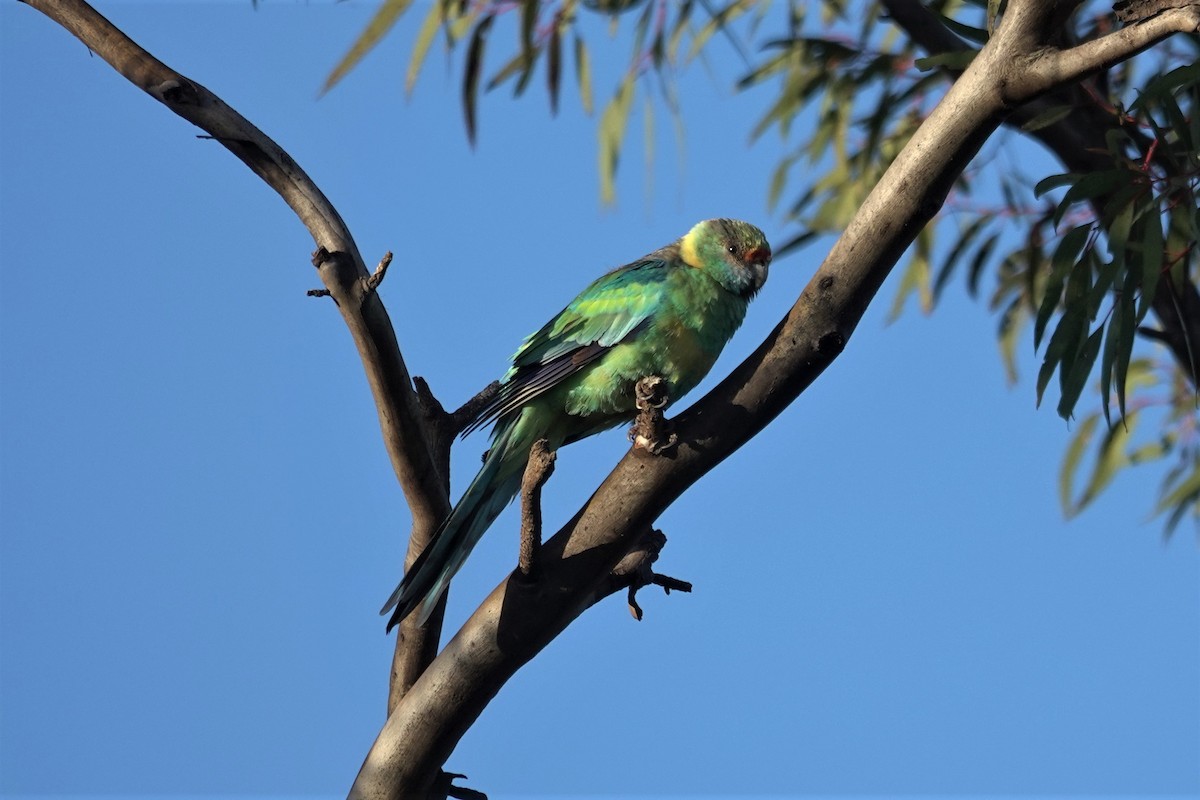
759	262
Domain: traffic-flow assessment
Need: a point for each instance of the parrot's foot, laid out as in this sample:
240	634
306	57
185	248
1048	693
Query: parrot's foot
537	472
651	430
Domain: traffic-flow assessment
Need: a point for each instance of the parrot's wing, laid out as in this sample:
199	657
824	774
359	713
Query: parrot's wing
614	309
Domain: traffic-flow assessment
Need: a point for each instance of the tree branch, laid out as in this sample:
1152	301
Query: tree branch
1056	67
338	262
1079	142
516	621
537	472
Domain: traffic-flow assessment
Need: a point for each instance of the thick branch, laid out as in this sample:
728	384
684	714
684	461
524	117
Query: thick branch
338	261
515	622
1079	142
1056	67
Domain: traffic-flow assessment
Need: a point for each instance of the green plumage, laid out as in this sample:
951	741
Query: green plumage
667	314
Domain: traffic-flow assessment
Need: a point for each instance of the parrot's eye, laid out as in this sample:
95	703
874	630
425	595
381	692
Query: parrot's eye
733	249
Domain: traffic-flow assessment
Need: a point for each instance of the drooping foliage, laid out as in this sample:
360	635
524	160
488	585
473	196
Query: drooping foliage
1090	265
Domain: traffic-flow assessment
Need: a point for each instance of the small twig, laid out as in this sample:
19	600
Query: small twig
466	413
651	431
448	424
319	257
380	272
634	572
537	472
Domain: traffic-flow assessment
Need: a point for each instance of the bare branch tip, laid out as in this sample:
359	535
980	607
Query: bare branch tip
380	272
537	471
466	413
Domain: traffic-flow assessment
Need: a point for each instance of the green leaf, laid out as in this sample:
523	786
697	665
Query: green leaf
1070	465
471	73
379	25
429	29
1011	325
795	243
1109	461
1047	118
968	32
1186	493
510	68
583	75
1053	182
554	66
915	280
1063	347
953	60
1091	185
1153	258
977	263
1061	263
1127	325
613	123
648	144
1073	383
964	241
1113	336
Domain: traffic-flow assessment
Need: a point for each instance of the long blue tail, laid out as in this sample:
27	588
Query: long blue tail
495	486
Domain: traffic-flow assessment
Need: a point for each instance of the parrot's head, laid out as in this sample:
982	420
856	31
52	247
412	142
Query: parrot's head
735	253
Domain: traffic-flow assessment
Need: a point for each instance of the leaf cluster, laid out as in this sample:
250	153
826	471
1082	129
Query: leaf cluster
1094	265
554	35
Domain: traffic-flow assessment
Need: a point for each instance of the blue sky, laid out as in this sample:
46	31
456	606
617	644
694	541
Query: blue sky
198	521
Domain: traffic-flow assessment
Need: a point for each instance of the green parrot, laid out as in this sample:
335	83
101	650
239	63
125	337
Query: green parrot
667	314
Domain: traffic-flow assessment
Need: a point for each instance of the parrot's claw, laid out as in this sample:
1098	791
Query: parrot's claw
655	446
651	431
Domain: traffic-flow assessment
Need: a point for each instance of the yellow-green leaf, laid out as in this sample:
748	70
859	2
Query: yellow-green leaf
583	75
379	25
429	28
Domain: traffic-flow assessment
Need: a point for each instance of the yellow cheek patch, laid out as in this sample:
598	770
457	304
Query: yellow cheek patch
687	249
